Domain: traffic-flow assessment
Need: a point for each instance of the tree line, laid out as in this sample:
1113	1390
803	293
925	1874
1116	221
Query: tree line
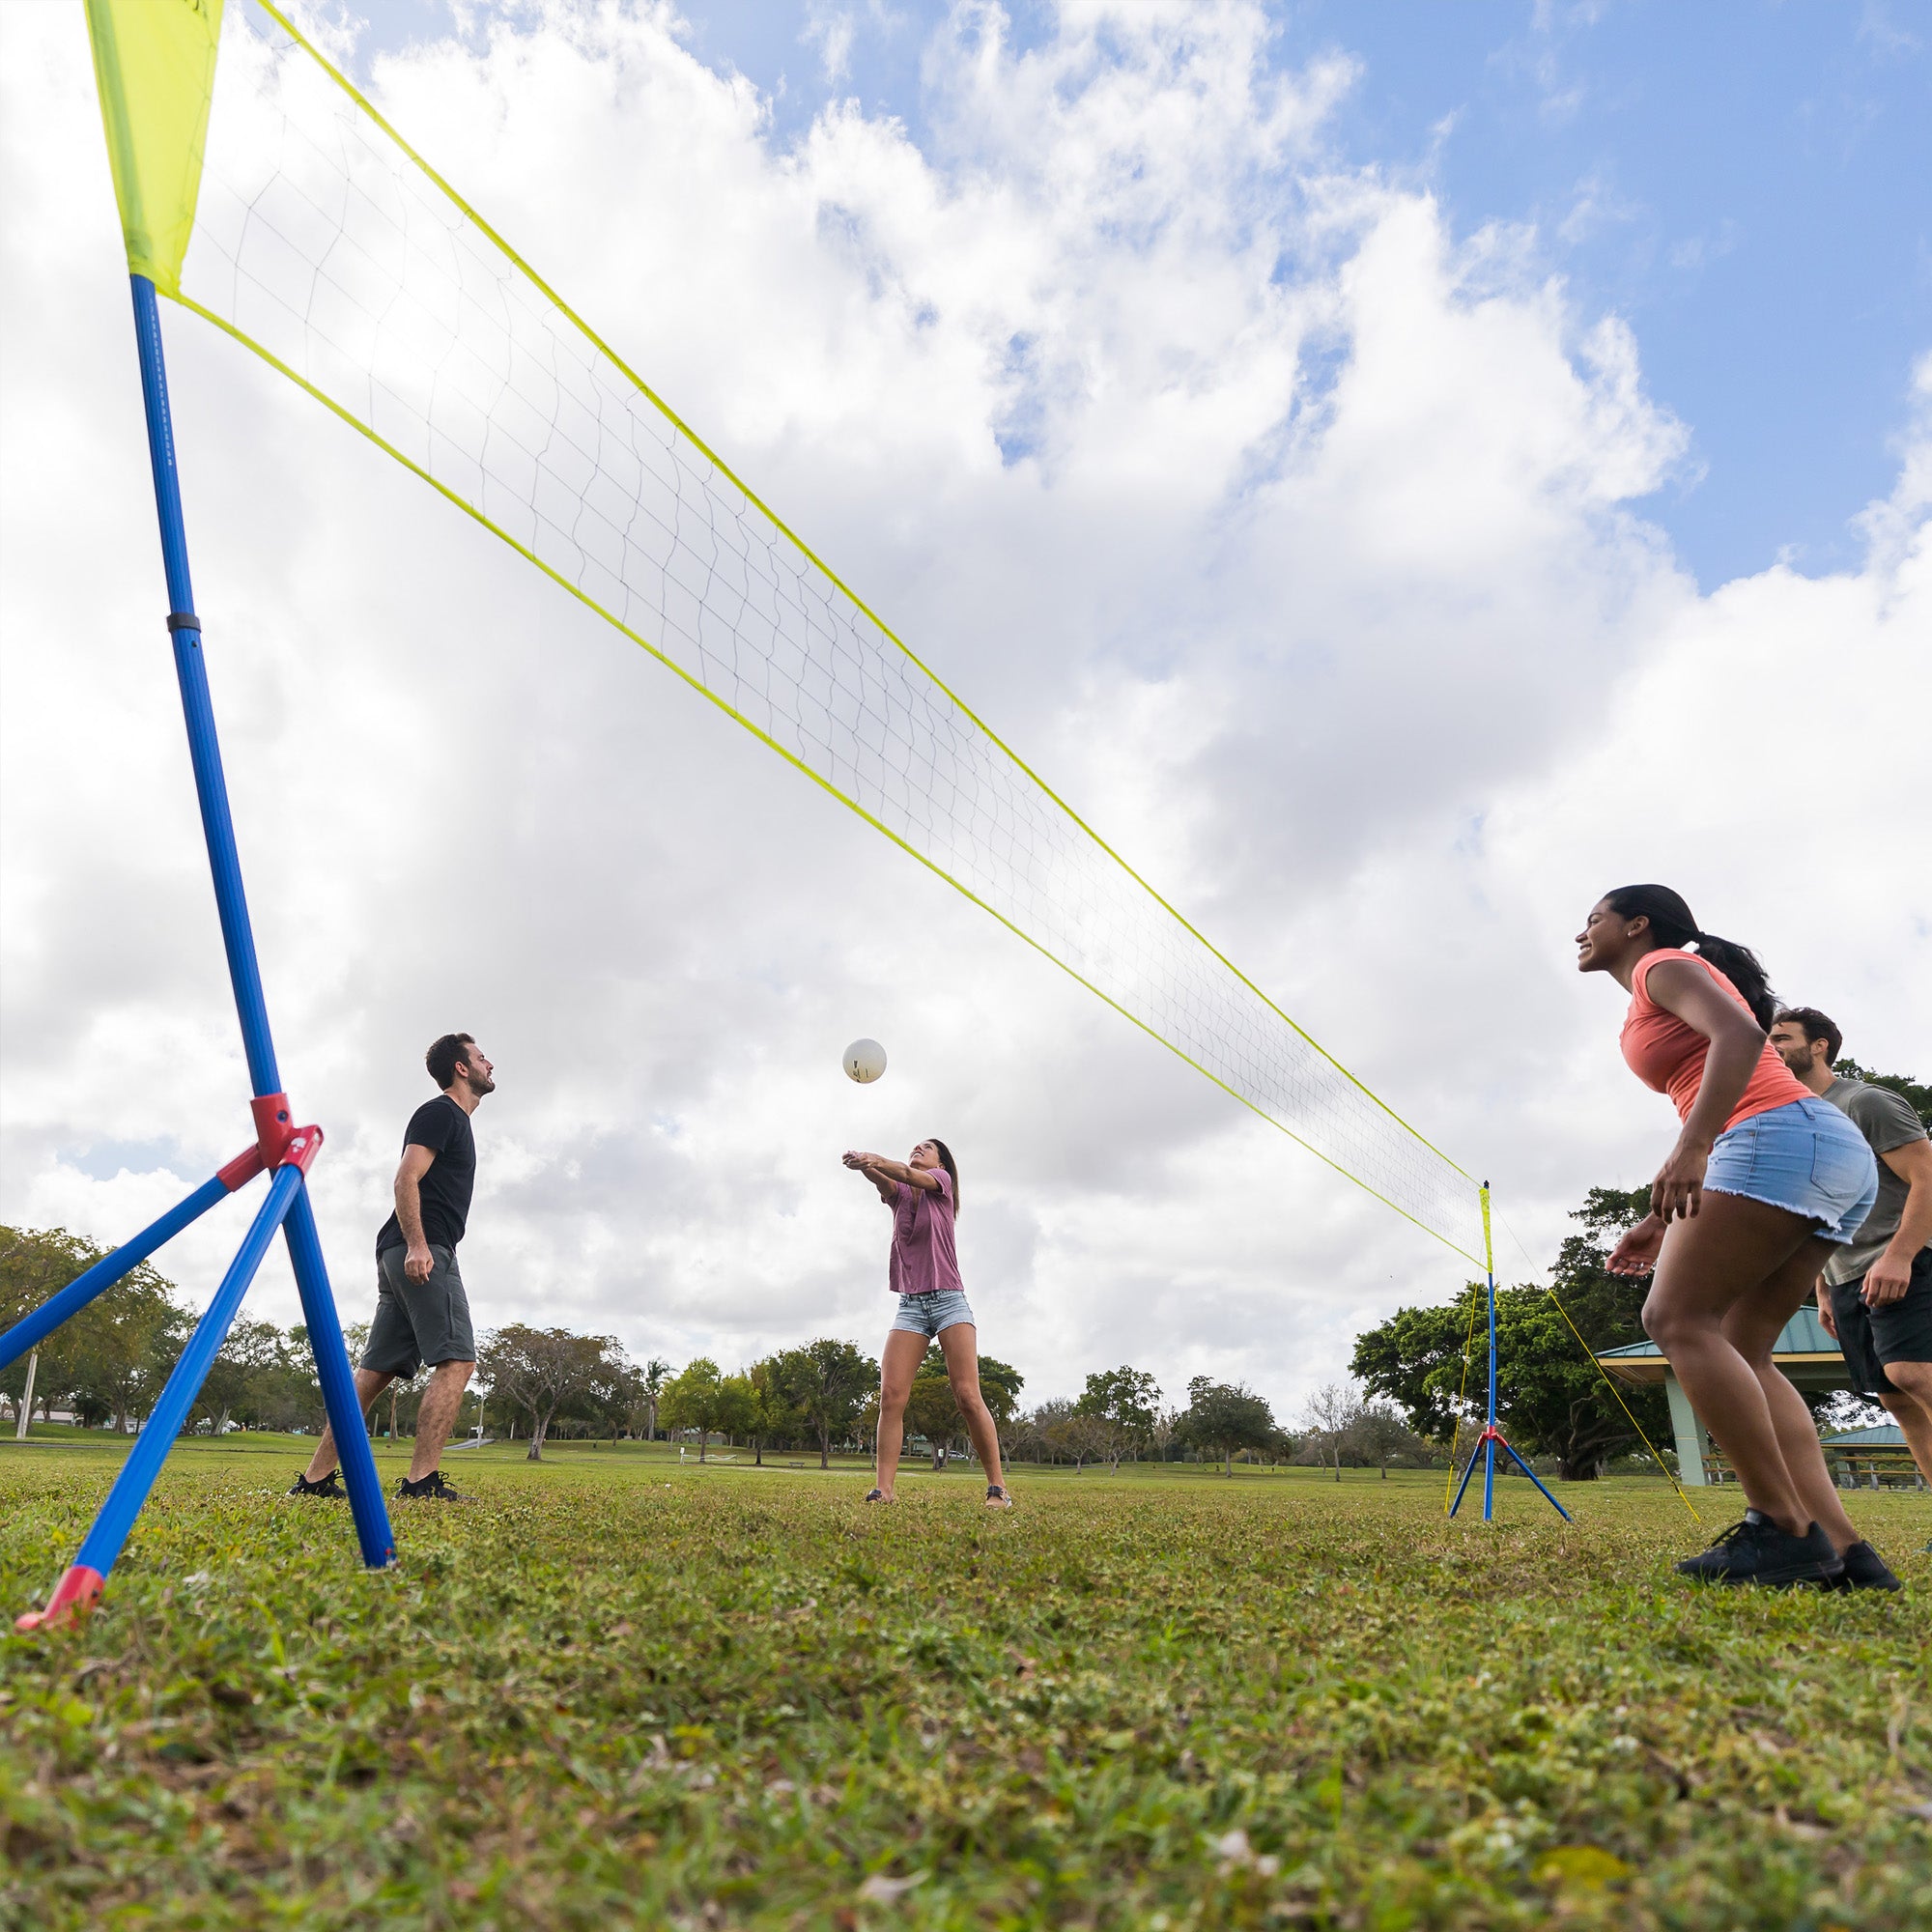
107	1366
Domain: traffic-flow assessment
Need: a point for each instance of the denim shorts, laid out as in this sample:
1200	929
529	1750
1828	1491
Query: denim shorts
1805	1156
927	1314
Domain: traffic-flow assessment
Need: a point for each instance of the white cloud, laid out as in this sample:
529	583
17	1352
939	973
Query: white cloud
1291	535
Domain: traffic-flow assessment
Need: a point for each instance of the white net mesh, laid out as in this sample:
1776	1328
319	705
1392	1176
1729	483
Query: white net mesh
323	243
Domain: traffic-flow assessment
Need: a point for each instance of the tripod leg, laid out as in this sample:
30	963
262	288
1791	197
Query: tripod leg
33	1328
1468	1470
1538	1481
83	1581
338	1386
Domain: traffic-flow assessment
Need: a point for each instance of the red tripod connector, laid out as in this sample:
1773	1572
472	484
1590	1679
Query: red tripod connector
277	1143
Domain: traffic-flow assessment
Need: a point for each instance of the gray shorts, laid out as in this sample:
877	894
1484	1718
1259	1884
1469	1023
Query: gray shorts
418	1321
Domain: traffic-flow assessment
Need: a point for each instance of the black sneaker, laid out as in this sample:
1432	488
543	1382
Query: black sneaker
1756	1550
432	1489
1865	1570
330	1487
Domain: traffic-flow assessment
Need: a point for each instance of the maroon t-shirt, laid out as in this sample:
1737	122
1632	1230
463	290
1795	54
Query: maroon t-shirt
924	1258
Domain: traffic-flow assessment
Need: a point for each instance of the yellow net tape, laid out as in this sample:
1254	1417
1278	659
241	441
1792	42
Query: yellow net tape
329	247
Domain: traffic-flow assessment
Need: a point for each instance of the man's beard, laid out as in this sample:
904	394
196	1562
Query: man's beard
478	1085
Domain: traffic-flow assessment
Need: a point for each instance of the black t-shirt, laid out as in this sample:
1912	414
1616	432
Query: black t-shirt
442	1127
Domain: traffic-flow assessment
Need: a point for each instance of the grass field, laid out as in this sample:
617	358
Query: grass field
614	1692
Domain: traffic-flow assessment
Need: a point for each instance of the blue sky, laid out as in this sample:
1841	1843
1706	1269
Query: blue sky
1749	184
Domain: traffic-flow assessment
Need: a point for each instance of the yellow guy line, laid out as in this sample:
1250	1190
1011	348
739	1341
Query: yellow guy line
657	402
1610	1383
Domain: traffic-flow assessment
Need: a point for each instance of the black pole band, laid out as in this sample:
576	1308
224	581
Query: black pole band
183	620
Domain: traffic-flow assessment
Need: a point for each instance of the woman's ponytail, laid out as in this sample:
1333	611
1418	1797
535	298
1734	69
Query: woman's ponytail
1671	921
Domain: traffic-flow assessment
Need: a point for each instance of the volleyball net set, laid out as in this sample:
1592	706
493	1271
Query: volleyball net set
262	190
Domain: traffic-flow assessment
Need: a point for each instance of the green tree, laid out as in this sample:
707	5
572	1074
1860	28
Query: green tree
110	1359
826	1380
241	1376
544	1372
695	1399
1380	1435
931	1408
737	1406
1222	1417
1330	1414
1551	1398
999	1386
775	1416
1124	1401
652	1385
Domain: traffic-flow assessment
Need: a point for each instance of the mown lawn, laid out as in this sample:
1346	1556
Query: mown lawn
615	1692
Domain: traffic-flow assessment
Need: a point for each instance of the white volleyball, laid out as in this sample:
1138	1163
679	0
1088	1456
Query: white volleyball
865	1060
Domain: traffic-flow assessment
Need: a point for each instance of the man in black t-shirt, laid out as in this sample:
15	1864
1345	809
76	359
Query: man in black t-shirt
422	1314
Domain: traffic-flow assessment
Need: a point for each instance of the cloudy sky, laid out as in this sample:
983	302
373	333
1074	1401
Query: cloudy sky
1397	474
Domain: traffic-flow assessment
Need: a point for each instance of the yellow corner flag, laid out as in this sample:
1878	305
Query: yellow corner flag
153	62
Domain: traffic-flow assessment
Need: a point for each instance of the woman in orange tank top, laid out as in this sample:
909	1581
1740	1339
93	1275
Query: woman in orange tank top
1764	1180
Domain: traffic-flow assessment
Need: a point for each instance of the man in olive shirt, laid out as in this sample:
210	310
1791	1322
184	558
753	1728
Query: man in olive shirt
1875	1294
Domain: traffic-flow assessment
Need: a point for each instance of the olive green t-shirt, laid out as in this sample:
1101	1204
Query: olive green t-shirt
1886	1123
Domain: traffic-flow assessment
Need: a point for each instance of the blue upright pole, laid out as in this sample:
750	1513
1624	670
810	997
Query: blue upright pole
204	746
88	1572
280	1145
1492	1438
1489	1433
324	1329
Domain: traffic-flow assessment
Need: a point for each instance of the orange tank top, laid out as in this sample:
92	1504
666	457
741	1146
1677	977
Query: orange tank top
1667	1053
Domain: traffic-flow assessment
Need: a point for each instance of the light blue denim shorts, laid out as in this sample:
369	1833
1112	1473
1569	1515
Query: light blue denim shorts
927	1314
1805	1156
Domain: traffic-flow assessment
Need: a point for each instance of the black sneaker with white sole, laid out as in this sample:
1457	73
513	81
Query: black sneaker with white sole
329	1487
431	1489
1865	1570
1756	1550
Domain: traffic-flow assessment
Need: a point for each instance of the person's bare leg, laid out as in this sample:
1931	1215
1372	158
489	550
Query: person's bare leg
1707	1266
960	1346
1753	1327
904	1352
1909	1402
368	1386
436	1415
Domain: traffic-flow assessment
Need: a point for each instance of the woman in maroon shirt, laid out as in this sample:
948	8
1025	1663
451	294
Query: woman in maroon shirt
922	1191
1764	1180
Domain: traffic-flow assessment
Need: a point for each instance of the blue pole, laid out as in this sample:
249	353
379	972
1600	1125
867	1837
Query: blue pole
338	1386
1468	1470
1538	1481
28	1332
204	748
1489	1443
103	1543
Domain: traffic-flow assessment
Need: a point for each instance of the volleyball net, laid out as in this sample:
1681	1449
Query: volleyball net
260	188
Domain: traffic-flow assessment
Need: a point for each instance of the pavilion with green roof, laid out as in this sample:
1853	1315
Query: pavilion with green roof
1806	1354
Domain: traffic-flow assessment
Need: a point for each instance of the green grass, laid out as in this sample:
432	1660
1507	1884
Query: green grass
614	1692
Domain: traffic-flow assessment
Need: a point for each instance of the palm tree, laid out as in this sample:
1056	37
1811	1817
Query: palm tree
656	1373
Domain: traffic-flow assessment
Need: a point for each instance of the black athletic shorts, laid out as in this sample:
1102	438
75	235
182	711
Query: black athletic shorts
418	1321
1901	1331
